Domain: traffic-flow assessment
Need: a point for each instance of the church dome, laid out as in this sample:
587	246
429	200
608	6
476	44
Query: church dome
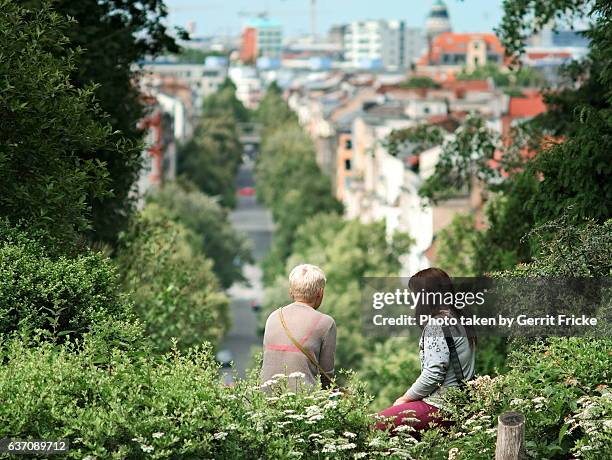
437	21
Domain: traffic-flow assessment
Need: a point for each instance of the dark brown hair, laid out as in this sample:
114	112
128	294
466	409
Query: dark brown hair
436	280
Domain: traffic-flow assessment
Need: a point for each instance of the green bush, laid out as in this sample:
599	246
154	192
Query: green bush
559	384
61	295
173	407
174	288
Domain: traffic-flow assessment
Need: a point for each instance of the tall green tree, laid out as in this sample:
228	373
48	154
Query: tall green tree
172	283
209	225
291	183
212	157
224	103
273	111
52	131
112	36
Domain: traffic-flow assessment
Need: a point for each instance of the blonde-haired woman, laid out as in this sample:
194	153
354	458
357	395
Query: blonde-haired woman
299	341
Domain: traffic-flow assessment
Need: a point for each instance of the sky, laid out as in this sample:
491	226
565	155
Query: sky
218	17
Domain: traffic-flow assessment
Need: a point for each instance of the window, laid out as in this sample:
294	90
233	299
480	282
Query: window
348	144
347	164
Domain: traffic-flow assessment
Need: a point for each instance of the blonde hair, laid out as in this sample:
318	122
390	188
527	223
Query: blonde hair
306	281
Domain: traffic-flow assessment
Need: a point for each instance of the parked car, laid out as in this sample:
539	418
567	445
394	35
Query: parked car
246	191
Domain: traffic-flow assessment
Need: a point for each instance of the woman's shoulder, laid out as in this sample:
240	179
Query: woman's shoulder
325	319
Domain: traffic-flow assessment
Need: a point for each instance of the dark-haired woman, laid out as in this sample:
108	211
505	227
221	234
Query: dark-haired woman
441	367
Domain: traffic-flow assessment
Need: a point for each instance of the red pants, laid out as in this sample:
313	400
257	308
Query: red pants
423	412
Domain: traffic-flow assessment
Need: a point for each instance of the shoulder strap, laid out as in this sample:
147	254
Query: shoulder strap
454	357
300	347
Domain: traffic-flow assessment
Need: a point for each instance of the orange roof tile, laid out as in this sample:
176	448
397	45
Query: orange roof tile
526	107
467	85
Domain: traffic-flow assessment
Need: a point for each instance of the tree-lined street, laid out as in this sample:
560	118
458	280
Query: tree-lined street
255	221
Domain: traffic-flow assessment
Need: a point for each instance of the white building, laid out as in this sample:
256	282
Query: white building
249	87
203	79
381	43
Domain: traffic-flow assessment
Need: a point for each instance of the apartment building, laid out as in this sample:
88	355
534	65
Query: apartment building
261	37
376	44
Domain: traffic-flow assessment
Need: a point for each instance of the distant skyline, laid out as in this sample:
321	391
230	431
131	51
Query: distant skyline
215	17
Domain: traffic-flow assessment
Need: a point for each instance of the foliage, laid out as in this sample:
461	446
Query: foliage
415	139
110	36
137	405
210	159
50	130
292	185
175	291
209	227
465	157
389	368
224	103
511	79
419	82
273	111
457	246
61	295
568	249
576	173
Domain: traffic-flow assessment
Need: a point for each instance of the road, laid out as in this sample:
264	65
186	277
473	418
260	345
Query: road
255	221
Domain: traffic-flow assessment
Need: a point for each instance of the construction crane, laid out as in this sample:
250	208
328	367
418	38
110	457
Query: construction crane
253	14
313	18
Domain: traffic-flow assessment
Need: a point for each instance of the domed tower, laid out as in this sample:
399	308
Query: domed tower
437	20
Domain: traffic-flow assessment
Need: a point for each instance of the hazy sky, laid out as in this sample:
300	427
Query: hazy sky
222	17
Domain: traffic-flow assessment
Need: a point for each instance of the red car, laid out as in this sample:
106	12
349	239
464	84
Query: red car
246	191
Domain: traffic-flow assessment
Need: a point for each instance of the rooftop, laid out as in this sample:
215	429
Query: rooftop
263	23
455	43
530	105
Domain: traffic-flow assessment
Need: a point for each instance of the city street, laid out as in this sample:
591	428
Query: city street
255	221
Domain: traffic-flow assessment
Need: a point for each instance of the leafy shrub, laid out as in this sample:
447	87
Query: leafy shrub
61	295
545	381
389	369
173	407
559	384
175	290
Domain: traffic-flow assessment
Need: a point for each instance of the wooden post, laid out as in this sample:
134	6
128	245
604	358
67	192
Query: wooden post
510	436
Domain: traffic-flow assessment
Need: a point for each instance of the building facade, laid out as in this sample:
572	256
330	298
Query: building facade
261	37
381	44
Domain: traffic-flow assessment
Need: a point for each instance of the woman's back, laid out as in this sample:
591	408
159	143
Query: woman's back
314	331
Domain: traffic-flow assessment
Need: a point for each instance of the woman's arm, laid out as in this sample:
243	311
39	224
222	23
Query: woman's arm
328	354
436	357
